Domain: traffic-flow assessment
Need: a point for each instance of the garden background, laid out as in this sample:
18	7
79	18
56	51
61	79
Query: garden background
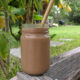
63	21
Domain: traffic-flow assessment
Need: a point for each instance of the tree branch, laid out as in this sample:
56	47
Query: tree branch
3	67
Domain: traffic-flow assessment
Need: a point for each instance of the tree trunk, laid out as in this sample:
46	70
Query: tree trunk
45	5
3	67
29	13
6	22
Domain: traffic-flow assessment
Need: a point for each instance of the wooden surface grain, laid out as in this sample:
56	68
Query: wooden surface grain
63	67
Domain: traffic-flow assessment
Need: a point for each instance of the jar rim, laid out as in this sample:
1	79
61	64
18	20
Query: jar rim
35	30
34	26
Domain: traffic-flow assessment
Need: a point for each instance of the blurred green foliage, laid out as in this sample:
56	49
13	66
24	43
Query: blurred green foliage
4	47
75	14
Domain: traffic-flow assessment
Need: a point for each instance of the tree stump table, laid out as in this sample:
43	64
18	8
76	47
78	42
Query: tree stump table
63	67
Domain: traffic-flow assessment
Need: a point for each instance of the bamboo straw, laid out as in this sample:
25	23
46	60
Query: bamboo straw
47	12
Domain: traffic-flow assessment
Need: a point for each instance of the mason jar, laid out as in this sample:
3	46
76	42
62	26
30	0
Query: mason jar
35	50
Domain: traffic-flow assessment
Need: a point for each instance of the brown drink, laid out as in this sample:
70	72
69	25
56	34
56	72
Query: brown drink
35	45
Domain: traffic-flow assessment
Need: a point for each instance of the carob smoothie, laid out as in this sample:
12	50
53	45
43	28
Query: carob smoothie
35	50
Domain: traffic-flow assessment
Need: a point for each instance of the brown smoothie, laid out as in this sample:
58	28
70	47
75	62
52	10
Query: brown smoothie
35	50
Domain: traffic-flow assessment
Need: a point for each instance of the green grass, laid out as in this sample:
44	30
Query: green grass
67	32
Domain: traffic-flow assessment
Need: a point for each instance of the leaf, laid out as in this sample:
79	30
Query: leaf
13	17
38	4
4	49
56	2
68	8
46	1
9	1
37	17
4	4
60	6
22	3
17	11
64	5
2	22
20	17
40	17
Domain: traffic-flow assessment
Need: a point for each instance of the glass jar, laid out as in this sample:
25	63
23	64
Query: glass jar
35	50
